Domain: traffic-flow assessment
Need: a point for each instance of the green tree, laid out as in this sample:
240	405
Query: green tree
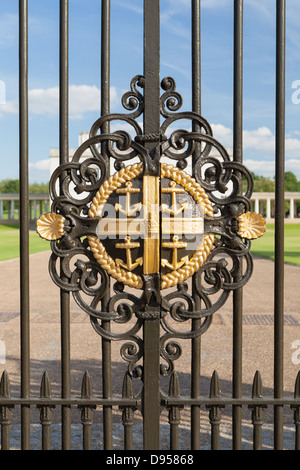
12	186
291	182
42	188
9	186
263	184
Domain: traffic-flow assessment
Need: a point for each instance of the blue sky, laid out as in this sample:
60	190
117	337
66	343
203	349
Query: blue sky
127	61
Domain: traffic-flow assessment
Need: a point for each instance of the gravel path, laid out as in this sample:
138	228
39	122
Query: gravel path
86	347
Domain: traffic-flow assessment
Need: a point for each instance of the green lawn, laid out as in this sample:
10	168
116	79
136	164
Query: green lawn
9	242
264	246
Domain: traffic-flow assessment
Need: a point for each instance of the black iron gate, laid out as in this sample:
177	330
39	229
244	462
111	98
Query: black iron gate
151	233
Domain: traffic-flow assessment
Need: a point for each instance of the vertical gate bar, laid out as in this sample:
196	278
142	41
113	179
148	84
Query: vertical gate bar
87	412
105	109
296	410
279	220
24	221
196	107
5	412
128	412
5	439
151	327
257	412
237	156
63	158
151	397
45	412
174	412
46	436
152	70
215	412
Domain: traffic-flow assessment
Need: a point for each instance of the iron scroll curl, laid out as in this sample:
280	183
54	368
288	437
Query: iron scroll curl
228	186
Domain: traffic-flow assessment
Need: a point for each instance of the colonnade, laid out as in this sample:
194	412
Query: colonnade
262	203
9	206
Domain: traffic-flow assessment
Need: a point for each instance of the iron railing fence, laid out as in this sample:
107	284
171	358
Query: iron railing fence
150	405
174	403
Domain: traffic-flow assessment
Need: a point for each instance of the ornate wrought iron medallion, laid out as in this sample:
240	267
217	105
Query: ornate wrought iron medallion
150	225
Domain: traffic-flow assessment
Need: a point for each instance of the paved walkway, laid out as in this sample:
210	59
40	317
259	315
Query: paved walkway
86	348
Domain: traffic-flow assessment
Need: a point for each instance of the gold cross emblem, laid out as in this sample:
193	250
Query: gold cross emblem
157	219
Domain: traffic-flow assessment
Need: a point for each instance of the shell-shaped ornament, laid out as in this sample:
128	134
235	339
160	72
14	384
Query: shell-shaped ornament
50	226
251	225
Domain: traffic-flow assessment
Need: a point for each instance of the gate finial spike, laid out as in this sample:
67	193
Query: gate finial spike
215	410
215	390
297	386
5	385
257	387
174	386
5	413
127	411
174	411
257	413
296	408
87	392
45	390
127	390
86	387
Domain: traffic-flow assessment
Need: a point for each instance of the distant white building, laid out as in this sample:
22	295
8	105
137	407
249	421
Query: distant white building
54	152
262	202
83	136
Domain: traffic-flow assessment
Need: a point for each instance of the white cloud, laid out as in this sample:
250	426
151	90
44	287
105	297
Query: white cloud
261	144
39	171
267	168
261	138
41	165
260	167
293	145
82	99
293	164
264	139
223	134
9	107
43	101
220	130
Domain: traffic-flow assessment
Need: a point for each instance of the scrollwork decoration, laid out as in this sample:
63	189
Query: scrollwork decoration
227	226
